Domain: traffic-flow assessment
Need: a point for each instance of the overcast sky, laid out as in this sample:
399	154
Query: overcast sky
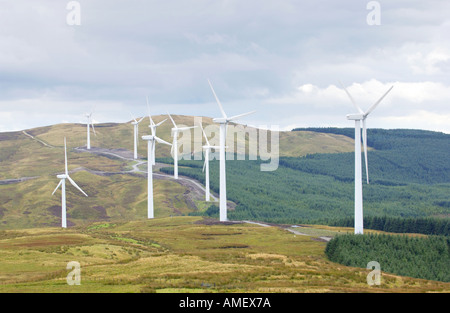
282	58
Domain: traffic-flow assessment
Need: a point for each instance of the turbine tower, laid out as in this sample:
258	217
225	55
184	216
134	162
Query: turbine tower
223	121
62	183
151	143
207	149
153	127
174	151
358	117
136	134
89	122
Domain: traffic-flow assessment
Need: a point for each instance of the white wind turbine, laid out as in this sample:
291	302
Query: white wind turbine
207	149
174	151
151	143
358	117
62	183
89	122
153	127
136	134
223	121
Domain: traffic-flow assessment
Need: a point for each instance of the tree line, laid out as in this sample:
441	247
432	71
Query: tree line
419	257
427	226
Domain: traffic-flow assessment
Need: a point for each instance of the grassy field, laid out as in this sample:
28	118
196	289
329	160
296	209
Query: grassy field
182	254
121	251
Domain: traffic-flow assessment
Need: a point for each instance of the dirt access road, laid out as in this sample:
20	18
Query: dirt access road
195	187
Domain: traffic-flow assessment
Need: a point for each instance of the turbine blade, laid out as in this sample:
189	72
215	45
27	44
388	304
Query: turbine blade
60	182
173	122
353	100
162	141
141	119
65	157
240	115
365	149
218	101
132	116
161	122
204	134
75	185
376	103
92	125
204	164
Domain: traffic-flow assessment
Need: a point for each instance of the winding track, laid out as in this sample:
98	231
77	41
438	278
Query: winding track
38	140
193	185
127	155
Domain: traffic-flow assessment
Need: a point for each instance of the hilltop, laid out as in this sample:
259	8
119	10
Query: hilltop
30	160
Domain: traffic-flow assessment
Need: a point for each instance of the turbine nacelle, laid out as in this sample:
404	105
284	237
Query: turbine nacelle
62	176
148	137
356	117
155	138
135	122
220	120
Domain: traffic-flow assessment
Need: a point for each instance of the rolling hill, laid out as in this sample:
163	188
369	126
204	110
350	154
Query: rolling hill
409	170
30	160
121	251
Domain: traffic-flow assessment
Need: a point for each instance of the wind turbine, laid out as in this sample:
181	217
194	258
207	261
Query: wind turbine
89	122
358	117
223	121
207	149
151	143
136	134
153	127
174	150
62	183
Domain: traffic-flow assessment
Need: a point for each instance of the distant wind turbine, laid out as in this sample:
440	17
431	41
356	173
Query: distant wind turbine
358	117
89	122
174	152
207	149
223	121
135	123
62	183
151	143
153	127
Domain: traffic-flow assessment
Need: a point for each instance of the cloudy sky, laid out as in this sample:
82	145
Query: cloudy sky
282	58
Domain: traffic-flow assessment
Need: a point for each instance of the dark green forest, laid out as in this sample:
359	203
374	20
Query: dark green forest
400	157
427	225
409	171
426	258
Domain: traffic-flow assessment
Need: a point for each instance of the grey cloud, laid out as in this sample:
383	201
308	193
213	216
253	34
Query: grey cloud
252	51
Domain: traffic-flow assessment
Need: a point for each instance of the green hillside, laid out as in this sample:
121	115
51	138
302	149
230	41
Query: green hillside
409	170
31	159
120	250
